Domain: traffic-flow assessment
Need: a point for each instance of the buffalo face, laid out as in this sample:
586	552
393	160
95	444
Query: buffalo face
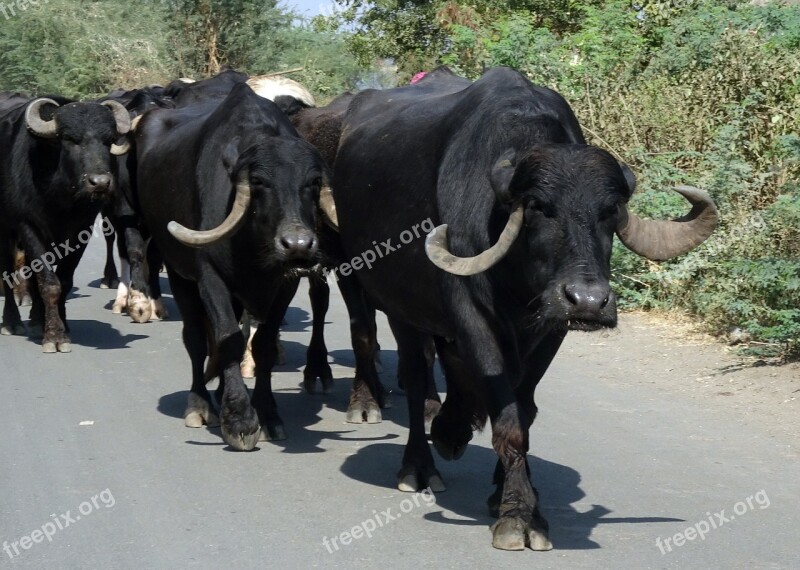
566	202
286	175
277	188
87	134
571	197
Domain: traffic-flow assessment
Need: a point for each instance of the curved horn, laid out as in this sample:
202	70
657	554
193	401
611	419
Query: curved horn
121	116
660	239
328	207
198	238
436	248
123	120
34	121
135	122
120	149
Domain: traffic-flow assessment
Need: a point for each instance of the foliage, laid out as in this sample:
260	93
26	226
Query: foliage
703	92
86	48
81	49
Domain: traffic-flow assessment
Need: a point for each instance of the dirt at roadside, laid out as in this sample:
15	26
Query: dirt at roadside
667	353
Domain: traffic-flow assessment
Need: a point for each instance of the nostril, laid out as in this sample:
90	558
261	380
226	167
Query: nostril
99	181
298	243
572	295
587	296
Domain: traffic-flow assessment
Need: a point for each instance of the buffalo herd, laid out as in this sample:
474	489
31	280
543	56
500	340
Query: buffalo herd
473	214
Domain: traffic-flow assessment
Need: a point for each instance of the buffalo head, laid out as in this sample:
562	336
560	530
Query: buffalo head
566	202
277	182
87	134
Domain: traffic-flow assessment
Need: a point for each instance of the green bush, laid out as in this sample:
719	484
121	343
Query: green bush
702	92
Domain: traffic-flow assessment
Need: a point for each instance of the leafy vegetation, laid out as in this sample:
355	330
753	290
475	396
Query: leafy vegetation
86	48
704	92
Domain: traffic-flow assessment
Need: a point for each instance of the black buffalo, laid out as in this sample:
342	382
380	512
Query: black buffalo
531	211
235	168
139	291
56	171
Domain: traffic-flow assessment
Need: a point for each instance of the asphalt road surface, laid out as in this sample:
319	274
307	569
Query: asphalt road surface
98	470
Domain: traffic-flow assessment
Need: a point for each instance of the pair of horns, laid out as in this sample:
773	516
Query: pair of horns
48	129
200	238
654	239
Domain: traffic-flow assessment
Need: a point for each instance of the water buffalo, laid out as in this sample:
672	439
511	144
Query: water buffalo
57	169
233	167
526	214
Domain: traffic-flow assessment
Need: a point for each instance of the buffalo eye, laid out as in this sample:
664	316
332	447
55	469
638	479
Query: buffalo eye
541	208
260	185
608	213
315	186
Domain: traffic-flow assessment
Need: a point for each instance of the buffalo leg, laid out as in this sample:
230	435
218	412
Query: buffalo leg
317	367
154	262
433	404
55	337
520	521
418	470
199	408
110	277
66	274
265	354
451	429
239	421
139	304
367	396
12	322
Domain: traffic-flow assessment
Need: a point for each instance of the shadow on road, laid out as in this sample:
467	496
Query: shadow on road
90	333
298	410
468	487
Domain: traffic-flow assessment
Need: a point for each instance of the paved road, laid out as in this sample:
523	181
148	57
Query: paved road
618	466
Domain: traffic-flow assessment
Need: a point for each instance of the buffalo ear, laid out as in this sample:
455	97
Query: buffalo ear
502	174
230	155
630	178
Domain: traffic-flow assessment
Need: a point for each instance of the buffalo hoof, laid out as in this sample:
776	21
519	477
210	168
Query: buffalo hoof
274	432
310	384
199	413
241	441
120	306
158	310
450	436
321	372
432	408
8	330
139	306
514	533
197	420
109	283
363	411
411	479
240	428
51	347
